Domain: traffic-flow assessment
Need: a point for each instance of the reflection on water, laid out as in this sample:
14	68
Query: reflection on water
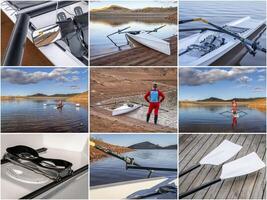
111	170
222	12
34	116
99	29
209	119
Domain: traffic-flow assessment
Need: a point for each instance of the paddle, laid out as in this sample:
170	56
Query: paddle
252	46
217	156
240	167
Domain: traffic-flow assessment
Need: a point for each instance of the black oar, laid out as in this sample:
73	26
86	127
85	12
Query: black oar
130	163
252	46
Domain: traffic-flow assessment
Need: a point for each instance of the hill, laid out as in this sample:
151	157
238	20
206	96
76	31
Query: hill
97	154
121	10
145	145
81	98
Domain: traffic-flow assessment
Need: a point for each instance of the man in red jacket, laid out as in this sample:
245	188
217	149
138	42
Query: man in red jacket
154	97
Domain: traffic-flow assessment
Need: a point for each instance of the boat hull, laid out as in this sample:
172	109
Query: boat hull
124	109
130	189
229	53
152	42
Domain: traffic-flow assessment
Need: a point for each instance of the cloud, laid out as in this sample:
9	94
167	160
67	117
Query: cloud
244	80
74	87
258	89
20	77
261	78
196	77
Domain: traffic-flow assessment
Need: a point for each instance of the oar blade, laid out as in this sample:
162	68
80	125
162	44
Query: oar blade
221	153
242	166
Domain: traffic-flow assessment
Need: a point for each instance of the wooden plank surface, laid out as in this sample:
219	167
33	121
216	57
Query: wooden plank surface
195	146
139	56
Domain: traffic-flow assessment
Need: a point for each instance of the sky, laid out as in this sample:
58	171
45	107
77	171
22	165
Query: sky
130	139
132	4
224	83
28	81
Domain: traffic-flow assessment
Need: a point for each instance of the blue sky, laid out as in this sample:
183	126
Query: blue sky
28	81
225	83
129	139
133	4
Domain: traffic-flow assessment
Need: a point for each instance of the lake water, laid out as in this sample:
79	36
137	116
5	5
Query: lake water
111	170
33	116
209	119
100	45
221	12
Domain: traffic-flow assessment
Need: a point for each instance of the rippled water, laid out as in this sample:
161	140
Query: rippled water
221	12
209	119
111	170
100	45
33	116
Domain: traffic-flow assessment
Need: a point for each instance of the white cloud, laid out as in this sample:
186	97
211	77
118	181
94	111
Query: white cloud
196	76
20	77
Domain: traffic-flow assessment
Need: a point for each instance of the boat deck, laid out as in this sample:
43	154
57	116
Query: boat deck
32	56
194	147
140	56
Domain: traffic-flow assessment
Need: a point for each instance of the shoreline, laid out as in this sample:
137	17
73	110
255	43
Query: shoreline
96	154
259	104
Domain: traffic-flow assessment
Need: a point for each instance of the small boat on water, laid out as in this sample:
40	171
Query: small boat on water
58	29
220	45
145	38
125	108
137	189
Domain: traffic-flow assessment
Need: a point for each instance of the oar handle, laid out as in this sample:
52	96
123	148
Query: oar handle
190	20
185	194
189	170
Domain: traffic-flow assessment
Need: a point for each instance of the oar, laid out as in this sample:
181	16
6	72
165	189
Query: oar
252	46
127	160
156	29
217	156
118	31
240	167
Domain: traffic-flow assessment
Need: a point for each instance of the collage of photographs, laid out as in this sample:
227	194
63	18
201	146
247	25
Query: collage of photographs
133	99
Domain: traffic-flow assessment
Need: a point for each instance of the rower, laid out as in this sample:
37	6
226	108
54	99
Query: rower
154	97
234	112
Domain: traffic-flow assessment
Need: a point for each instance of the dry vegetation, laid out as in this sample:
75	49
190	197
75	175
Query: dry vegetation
97	154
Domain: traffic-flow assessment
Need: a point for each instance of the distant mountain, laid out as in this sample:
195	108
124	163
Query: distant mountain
120	9
145	145
149	145
222	100
38	95
212	99
174	146
54	95
64	95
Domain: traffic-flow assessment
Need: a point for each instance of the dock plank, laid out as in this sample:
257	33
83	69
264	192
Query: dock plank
251	186
139	56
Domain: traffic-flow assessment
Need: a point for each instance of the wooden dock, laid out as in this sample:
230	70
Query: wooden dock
194	147
139	56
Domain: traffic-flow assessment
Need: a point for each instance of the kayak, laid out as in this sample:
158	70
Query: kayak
125	108
134	189
215	47
60	106
152	42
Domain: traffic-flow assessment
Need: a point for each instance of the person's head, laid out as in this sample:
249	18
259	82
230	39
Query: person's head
233	101
155	85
